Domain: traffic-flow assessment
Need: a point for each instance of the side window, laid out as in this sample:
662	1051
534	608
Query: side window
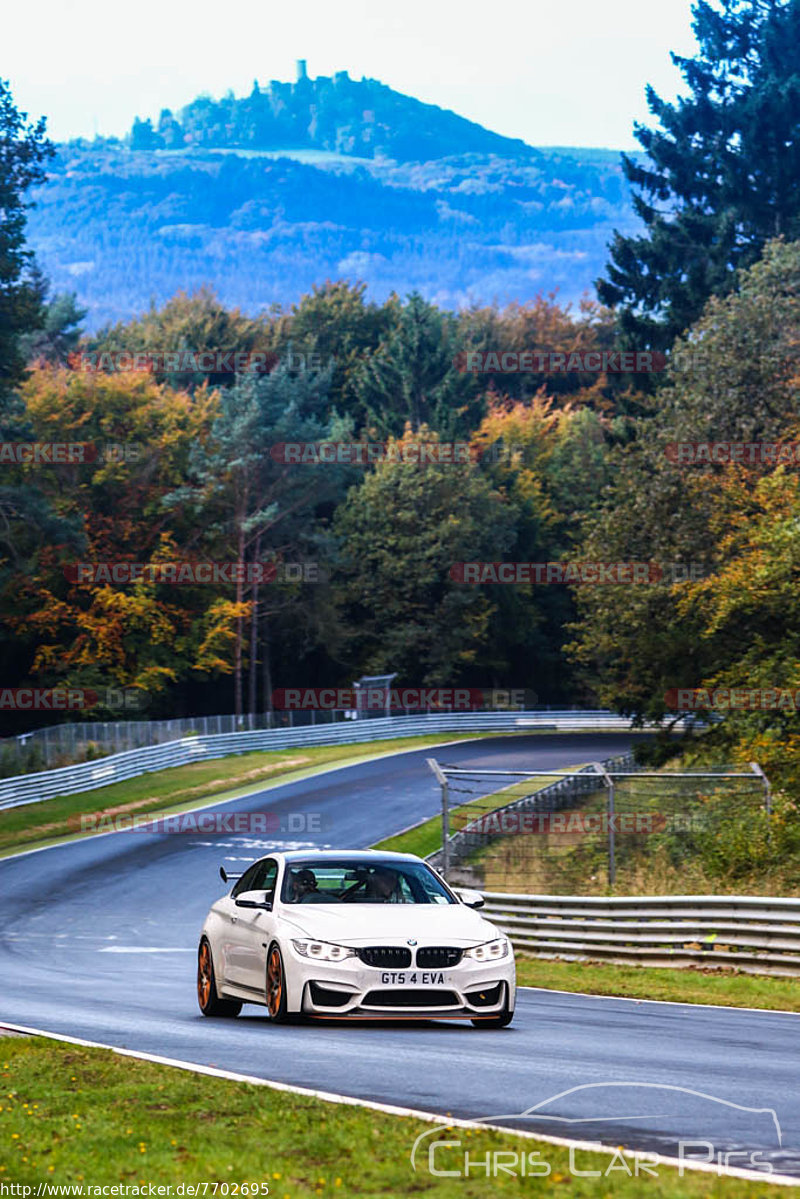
265	877
246	882
258	877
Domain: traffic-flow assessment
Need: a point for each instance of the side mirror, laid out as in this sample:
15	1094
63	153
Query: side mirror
472	899
254	899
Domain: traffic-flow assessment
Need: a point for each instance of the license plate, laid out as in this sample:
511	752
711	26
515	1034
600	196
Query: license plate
412	978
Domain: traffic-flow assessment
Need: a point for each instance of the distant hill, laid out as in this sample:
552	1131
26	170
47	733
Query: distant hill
363	118
262	197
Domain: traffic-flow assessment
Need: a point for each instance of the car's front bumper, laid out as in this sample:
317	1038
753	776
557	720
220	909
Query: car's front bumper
352	989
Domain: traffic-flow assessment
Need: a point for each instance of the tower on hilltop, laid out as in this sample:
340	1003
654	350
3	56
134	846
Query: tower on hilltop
302	73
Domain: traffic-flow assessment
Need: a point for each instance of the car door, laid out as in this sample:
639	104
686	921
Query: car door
229	919
250	929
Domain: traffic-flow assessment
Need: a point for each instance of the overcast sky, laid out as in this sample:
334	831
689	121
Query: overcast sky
554	72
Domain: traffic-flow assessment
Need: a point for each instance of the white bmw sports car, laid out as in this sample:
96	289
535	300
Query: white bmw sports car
359	933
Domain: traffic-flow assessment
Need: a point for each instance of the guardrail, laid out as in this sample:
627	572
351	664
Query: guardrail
62	744
753	934
86	776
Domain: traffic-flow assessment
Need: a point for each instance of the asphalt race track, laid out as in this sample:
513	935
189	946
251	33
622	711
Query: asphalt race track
99	939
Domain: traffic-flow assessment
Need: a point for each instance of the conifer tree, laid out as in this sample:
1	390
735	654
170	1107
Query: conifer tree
722	174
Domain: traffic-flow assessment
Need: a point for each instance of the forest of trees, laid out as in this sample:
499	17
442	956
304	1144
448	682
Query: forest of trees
203	485
564	467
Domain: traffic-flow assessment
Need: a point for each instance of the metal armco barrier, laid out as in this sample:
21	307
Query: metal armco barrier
755	935
68	780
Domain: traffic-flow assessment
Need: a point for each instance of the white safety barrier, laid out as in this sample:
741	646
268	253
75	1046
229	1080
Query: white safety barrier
86	776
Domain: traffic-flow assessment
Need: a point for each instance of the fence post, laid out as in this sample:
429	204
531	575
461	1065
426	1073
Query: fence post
756	769
612	847
442	779
612	858
445	829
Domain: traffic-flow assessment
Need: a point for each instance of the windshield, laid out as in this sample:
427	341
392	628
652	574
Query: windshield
360	882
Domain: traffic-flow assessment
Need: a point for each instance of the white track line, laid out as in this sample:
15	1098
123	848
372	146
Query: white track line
429	1117
720	1007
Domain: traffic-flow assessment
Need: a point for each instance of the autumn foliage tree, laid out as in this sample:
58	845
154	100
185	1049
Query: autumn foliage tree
733	379
94	634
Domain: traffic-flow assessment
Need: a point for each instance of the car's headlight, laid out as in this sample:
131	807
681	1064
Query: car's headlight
489	951
323	951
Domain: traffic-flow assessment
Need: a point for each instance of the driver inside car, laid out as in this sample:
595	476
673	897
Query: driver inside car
305	886
384	886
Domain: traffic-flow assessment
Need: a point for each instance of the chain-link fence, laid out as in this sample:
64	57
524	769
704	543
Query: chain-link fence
67	743
583	831
62	744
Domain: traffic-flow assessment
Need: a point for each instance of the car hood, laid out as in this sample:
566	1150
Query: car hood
389	923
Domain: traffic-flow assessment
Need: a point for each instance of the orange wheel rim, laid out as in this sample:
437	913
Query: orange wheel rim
274	982
204	975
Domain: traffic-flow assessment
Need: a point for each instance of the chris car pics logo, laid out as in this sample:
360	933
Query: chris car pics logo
695	1129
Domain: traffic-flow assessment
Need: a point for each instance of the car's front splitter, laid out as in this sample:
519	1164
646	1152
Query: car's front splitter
334	1001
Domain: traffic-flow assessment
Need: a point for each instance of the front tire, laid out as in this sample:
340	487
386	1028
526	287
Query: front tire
207	998
502	1021
276	986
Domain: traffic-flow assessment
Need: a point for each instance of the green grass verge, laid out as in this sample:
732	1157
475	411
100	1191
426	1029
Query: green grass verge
422	839
689	985
75	1115
185	787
